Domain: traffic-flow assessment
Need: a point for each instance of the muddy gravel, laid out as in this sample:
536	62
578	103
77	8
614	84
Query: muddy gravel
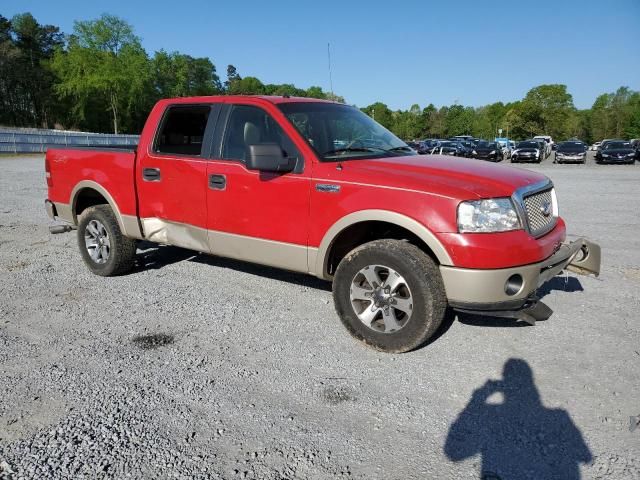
199	367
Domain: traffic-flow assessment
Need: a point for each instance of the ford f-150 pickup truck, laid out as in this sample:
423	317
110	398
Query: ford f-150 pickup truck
319	187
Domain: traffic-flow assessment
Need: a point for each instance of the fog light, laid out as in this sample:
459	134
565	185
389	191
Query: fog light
513	285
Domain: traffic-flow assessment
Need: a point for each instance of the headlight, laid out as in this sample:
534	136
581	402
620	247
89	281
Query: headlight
558	154
630	154
605	155
492	152
489	215
474	152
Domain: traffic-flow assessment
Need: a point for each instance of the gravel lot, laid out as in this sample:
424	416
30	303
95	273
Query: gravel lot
201	367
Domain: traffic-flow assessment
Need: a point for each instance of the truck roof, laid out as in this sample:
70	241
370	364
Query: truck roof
275	99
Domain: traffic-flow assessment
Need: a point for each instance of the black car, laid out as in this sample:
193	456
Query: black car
571	151
466	148
448	147
414	145
545	151
488	151
428	145
528	151
635	143
616	151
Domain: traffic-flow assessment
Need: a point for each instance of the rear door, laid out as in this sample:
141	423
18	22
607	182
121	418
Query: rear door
256	216
172	177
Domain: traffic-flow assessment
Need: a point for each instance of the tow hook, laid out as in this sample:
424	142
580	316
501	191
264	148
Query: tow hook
55	229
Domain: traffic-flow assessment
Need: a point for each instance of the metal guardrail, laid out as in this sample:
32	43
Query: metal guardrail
33	140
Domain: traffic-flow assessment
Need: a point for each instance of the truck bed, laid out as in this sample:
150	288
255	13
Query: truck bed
109	168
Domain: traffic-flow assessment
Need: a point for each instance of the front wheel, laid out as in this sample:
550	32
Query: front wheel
104	249
389	294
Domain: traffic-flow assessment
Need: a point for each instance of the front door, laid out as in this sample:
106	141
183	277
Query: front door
256	216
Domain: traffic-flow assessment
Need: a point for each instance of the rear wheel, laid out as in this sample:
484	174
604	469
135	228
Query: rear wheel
389	294
104	249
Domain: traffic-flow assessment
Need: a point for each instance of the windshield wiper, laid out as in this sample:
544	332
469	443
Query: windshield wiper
354	149
404	148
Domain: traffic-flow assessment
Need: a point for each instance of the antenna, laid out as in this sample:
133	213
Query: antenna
329	58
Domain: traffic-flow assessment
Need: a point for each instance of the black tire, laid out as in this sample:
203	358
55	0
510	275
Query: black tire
122	249
423	279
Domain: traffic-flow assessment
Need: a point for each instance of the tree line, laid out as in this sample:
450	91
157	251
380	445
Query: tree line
545	110
99	78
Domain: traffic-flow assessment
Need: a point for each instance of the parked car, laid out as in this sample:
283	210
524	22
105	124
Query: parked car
448	147
462	138
528	151
616	151
635	143
595	146
548	143
571	152
604	142
428	145
467	149
488	151
414	145
259	179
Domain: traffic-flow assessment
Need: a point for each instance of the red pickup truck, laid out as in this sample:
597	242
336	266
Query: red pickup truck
319	187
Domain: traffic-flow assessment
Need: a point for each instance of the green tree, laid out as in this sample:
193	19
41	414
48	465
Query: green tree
459	120
105	59
380	113
246	86
179	75
25	82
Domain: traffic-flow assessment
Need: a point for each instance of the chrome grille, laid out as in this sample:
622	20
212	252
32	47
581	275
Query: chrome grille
536	207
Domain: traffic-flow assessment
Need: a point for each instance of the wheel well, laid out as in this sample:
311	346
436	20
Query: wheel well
363	232
88	197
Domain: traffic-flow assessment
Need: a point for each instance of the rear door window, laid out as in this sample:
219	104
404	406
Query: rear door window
182	131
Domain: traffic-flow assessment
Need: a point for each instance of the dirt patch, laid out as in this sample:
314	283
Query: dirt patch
335	394
152	341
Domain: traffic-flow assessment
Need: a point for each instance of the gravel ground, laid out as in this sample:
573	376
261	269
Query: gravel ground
200	367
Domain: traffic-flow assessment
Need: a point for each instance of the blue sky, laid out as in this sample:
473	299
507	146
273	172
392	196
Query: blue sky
402	52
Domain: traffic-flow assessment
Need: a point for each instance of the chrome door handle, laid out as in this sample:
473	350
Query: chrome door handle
217	182
151	174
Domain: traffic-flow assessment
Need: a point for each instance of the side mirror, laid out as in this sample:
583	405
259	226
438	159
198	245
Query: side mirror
268	157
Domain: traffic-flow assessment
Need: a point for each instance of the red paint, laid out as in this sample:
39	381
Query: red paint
288	208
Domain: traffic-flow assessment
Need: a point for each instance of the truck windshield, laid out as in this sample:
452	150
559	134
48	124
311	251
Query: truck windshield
340	132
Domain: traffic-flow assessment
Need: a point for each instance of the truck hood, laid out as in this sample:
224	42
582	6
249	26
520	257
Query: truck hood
453	177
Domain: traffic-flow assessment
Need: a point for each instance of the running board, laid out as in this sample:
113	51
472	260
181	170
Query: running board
535	310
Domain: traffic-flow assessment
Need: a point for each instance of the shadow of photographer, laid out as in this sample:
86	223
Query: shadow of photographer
517	437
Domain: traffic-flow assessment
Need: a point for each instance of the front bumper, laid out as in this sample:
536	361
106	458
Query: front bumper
613	160
493	290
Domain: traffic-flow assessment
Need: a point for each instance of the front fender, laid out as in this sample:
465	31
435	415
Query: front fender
317	259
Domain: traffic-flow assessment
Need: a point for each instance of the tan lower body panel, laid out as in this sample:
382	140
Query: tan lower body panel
258	250
250	249
465	285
